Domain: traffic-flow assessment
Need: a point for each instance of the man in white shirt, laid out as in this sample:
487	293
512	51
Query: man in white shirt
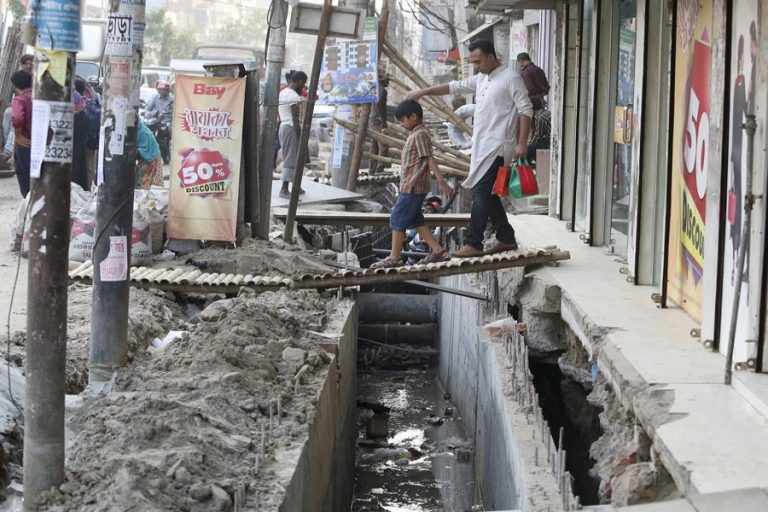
500	134
289	111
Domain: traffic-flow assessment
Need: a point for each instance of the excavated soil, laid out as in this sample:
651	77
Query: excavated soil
182	428
151	314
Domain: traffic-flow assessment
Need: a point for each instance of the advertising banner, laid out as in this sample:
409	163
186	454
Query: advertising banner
690	154
349	69
205	162
742	85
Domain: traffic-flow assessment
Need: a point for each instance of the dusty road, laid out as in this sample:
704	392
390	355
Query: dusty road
9	202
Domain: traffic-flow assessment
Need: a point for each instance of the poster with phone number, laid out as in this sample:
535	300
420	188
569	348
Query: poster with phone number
205	161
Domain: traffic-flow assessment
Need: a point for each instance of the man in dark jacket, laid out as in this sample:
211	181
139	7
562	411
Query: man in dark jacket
534	77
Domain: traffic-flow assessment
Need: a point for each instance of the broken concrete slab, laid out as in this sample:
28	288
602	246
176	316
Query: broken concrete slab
315	193
637	345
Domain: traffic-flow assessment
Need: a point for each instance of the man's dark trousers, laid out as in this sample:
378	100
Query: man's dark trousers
485	205
21	158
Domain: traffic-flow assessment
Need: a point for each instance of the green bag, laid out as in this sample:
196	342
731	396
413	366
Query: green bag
522	180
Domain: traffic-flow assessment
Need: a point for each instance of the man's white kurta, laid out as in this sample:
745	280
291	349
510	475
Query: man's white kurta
500	97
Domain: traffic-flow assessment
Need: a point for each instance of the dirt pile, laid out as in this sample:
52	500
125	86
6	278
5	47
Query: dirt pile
183	427
150	314
259	258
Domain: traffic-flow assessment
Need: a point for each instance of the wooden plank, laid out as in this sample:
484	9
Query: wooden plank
368	219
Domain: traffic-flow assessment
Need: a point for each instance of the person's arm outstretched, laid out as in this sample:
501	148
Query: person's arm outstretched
435	90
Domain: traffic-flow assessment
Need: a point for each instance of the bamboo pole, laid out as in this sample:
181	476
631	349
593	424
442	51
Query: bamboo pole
428	101
445	160
447	170
442	147
396	143
399	87
406	67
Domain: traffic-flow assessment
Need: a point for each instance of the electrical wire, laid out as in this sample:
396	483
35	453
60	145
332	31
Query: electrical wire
269	17
10	305
109	222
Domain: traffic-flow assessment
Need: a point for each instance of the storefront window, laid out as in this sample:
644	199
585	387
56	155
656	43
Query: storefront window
583	165
619	187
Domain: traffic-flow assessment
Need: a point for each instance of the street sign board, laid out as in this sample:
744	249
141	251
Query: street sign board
346	22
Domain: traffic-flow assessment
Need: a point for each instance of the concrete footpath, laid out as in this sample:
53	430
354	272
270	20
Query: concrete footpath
712	438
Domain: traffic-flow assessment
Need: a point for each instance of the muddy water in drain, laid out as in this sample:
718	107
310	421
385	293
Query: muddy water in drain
426	463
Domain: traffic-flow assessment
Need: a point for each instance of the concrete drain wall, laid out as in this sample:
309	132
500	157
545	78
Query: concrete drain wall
325	467
609	453
514	471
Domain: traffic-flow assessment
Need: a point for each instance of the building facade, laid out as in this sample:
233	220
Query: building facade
650	154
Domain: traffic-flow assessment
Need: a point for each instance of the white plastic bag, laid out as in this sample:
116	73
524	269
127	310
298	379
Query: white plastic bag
495	330
141	241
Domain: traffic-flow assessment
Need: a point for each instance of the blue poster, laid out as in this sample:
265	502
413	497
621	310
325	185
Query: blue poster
57	23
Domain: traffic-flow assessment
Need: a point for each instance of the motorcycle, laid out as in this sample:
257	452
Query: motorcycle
160	126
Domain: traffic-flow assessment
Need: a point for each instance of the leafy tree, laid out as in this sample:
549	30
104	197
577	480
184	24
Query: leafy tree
17	8
182	45
250	30
163	41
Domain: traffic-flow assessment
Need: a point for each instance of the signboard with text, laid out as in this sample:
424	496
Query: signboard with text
205	164
349	69
690	156
57	23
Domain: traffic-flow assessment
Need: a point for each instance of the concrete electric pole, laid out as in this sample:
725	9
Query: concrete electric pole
116	176
278	28
58	25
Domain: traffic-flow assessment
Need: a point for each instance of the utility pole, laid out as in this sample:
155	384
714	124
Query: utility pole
306	123
117	177
278	28
51	168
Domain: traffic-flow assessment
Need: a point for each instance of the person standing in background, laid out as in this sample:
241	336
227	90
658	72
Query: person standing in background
21	119
534	77
289	110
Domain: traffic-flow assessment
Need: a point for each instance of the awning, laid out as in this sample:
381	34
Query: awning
503	6
479	30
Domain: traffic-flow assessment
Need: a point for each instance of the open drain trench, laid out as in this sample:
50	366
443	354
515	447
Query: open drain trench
413	452
451	420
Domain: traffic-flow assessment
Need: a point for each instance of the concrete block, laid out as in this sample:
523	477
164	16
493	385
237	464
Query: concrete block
743	500
541	297
377	426
510	282
544	332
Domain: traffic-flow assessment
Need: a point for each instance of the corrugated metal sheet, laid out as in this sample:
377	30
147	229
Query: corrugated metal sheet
186	280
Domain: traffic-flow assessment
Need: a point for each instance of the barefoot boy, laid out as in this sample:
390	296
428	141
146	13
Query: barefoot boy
416	163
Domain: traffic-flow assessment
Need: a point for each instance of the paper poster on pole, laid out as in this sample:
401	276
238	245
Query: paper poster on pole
114	267
52	130
349	69
205	161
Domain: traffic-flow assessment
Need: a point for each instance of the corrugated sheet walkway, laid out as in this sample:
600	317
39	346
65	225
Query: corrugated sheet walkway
186	280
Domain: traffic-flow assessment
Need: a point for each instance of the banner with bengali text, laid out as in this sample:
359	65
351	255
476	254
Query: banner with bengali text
205	161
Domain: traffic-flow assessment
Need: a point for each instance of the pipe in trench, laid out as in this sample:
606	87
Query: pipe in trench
397	307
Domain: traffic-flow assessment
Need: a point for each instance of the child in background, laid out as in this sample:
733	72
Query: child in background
416	164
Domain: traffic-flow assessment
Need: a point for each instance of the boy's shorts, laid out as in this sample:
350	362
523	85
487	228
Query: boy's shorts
407	212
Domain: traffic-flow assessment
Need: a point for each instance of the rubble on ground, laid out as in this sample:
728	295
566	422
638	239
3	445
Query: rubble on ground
182	428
